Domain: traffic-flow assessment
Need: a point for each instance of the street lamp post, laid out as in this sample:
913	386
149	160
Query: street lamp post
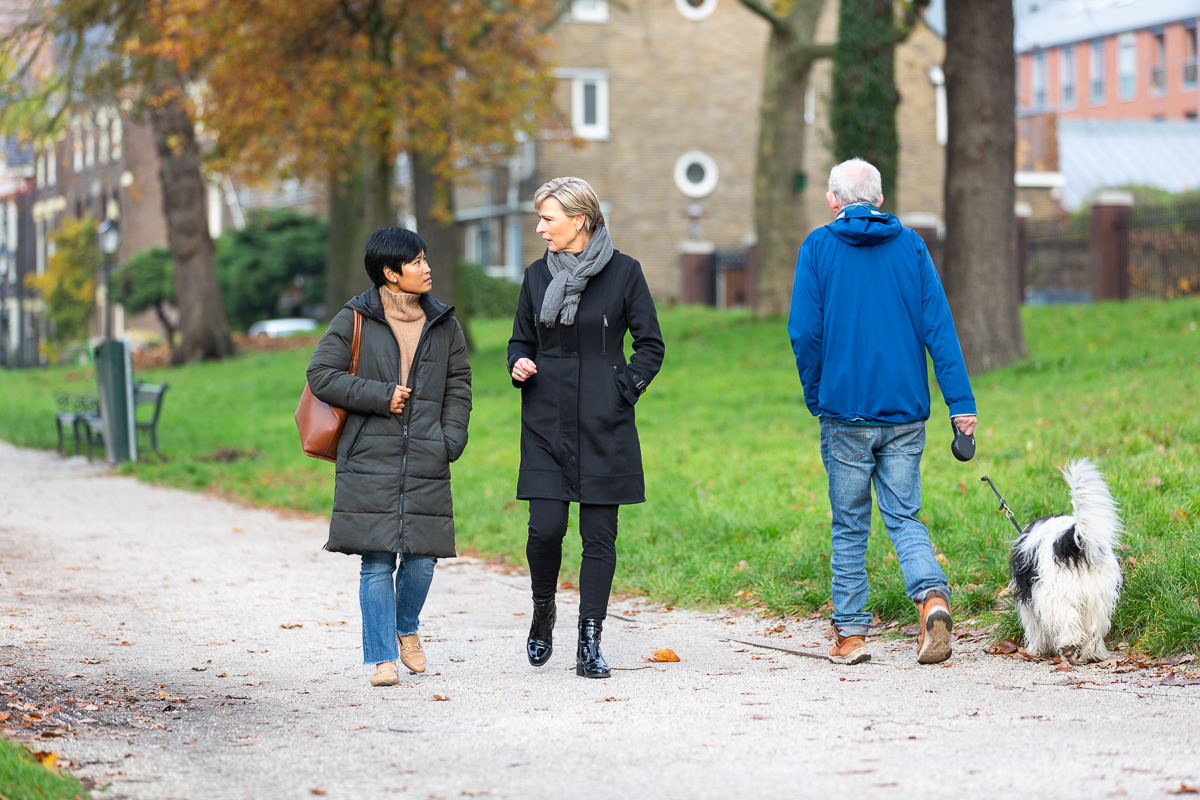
110	242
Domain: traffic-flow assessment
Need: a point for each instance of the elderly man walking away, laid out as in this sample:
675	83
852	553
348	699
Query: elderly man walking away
866	305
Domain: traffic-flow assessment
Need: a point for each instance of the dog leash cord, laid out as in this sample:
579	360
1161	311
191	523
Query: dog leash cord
1003	505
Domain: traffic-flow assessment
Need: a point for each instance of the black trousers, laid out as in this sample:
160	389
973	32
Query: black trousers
597	529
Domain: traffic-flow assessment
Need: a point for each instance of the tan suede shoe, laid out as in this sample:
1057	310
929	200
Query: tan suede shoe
848	649
936	626
411	653
386	674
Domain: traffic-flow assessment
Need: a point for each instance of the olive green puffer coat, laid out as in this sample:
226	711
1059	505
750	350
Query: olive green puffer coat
393	470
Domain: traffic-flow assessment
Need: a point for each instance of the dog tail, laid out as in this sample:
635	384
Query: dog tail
1097	521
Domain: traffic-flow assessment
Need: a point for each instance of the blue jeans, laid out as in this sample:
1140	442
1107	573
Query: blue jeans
391	610
890	457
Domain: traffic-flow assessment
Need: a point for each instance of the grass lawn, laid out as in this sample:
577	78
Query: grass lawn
23	776
738	512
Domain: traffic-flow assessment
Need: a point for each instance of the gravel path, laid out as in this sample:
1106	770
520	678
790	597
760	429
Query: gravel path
179	646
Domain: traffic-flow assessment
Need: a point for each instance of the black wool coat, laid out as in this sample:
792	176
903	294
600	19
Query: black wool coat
392	491
579	439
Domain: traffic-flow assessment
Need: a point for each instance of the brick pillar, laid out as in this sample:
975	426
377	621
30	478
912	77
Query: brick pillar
1108	249
696	269
1022	211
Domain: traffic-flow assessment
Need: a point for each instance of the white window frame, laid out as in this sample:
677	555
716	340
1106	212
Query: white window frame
1038	87
1097	63
1068	72
1126	67
116	137
696	13
594	11
597	131
77	145
89	145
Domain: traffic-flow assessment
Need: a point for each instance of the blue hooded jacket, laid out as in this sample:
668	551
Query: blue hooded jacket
866	304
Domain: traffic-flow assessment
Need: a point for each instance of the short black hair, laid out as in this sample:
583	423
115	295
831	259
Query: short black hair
391	247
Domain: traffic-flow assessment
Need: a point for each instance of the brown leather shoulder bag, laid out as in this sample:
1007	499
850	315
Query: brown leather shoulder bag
321	424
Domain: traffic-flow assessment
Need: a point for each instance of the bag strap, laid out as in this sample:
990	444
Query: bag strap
356	344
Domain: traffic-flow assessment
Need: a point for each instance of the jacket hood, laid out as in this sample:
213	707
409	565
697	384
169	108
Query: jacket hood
865	226
370	305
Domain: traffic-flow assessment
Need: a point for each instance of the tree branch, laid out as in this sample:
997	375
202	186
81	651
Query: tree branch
763	10
815	52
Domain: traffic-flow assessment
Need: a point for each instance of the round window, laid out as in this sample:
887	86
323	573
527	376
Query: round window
696	174
696	9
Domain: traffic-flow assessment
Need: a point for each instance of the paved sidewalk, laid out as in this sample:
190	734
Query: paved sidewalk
198	649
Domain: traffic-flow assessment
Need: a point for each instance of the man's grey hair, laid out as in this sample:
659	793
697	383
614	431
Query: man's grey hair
855	181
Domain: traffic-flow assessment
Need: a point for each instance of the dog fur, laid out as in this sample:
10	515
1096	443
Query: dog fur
1065	577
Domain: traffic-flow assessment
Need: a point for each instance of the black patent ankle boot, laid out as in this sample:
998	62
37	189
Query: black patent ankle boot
541	632
589	663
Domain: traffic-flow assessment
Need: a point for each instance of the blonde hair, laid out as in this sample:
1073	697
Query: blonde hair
576	196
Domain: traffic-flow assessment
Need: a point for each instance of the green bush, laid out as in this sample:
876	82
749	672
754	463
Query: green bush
274	267
147	280
483	296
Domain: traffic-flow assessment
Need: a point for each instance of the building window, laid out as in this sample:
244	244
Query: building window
1189	60
696	10
1126	66
116	137
89	144
696	174
588	11
52	166
1038	79
77	145
1066	76
1096	72
40	172
589	102
1158	70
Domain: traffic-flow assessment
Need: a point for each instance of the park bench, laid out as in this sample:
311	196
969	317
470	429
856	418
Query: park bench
74	411
144	394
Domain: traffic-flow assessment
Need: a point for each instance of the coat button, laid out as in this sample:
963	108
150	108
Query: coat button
574	355
571	459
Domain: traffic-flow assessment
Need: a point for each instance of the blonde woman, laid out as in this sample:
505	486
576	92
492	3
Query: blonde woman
579	441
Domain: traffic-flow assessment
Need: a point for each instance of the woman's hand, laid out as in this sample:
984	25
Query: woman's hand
396	406
523	369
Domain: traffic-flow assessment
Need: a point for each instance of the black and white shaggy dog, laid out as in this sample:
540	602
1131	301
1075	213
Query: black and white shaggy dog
1065	577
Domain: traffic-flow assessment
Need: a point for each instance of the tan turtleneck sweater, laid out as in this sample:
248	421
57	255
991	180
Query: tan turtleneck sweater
407	318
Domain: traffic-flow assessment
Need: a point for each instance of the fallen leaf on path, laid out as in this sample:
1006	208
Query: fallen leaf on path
1007	647
664	655
314	791
611	699
1170	680
223	675
4	716
1184	789
188	741
89	661
287	626
439	697
47	759
1063	668
54	734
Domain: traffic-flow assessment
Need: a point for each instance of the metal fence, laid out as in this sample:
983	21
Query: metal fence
1158	245
1164	251
1057	268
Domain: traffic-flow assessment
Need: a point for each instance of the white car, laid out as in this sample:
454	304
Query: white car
274	328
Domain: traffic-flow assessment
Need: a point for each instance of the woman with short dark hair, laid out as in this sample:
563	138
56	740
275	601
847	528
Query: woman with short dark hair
408	408
579	441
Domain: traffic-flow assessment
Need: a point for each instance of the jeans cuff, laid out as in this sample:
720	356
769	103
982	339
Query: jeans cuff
851	630
922	595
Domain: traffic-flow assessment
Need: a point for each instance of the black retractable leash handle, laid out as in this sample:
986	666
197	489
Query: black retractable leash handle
963	448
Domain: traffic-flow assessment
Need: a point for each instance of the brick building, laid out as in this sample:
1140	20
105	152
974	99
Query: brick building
664	96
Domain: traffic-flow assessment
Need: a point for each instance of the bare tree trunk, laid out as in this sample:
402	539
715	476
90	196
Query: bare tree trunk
779	218
980	259
203	328
441	243
345	275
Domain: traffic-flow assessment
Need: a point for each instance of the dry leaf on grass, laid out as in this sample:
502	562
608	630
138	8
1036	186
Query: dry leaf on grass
664	655
48	760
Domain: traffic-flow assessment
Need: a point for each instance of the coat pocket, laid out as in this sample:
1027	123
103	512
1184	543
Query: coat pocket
614	389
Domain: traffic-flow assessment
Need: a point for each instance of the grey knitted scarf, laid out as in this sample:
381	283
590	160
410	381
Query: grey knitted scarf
569	273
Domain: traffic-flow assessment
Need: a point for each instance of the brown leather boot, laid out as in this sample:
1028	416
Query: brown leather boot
411	653
936	626
848	649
